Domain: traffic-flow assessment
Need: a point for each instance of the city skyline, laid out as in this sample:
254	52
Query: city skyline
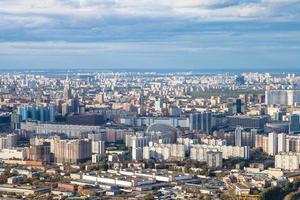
194	34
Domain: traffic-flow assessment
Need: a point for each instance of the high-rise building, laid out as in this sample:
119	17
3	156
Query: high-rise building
238	135
9	141
272	144
214	159
287	161
23	111
98	147
52	112
40	152
248	122
294	126
64	109
281	142
67	90
248	138
12	140
15	121
201	121
72	151
158	104
282	97
239	106
137	153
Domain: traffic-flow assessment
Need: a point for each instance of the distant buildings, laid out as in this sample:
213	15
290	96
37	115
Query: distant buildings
85	119
15	121
287	161
72	151
43	113
248	122
98	147
294	126
199	152
41	152
164	152
19	154
238	135
282	97
9	141
201	121
243	138
272	144
214	159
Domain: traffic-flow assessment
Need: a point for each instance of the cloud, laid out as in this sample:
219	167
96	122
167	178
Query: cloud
100	14
201	9
93	27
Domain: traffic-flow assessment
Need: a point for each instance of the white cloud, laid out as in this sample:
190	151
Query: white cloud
202	9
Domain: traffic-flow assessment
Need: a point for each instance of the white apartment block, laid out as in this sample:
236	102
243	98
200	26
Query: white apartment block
287	161
164	152
199	152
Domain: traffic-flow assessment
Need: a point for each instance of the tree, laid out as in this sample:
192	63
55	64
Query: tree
273	193
149	196
103	166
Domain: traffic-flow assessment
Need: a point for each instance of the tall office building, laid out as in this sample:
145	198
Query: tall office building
239	105
272	144
201	121
67	90
238	135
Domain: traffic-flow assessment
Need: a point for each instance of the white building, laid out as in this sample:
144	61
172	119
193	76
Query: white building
238	135
214	159
19	154
282	97
164	152
287	161
96	158
137	142
9	141
98	147
137	153
199	152
281	142
272	144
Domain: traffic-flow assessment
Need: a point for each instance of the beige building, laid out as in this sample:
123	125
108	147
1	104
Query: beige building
214	159
287	161
72	151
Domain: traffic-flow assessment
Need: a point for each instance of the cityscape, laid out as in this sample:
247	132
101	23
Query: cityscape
149	135
150	99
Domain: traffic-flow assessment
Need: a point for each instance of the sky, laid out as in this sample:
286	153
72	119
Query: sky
149	34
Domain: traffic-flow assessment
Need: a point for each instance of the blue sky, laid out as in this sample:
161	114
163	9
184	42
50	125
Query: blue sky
147	34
